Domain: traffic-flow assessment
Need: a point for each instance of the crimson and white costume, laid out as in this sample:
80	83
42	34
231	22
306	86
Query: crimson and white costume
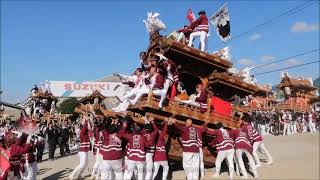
202	30
136	155
151	138
190	147
171	78
225	149
243	145
257	144
84	148
97	153
138	84
112	155
184	35
31	167
287	119
200	101
200	134
17	151
160	155
156	85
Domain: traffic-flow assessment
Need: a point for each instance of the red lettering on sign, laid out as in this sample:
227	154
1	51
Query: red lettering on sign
101	86
93	87
85	86
77	86
67	87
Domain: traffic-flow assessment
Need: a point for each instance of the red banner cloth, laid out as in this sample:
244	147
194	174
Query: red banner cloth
172	91
220	106
4	163
190	16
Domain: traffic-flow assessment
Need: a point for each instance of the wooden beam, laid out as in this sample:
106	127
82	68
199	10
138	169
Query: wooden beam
162	118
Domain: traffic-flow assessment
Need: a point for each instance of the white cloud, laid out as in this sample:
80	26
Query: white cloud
246	62
255	37
304	27
267	59
270	66
292	62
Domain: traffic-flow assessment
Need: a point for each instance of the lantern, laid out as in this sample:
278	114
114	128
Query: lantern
287	91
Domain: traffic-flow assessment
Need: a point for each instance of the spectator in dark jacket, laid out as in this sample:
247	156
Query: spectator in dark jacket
65	134
40	147
53	135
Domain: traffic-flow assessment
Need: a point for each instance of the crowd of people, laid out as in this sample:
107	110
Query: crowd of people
160	76
124	149
26	150
22	148
284	122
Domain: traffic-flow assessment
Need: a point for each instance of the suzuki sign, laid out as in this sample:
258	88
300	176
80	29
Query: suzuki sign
85	88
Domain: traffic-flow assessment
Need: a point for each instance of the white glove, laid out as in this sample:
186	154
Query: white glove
29	139
145	120
161	56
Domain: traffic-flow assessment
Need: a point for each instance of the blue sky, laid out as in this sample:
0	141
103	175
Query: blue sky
87	40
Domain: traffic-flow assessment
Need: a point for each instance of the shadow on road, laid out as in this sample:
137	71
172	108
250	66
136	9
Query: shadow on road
59	175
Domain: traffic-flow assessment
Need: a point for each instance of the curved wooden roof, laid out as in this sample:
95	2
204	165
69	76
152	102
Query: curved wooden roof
45	95
262	90
315	100
293	83
193	60
226	85
95	94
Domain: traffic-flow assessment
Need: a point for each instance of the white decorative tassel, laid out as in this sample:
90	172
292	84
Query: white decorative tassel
153	23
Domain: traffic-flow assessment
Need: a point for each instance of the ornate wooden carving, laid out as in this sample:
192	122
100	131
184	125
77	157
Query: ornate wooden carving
184	111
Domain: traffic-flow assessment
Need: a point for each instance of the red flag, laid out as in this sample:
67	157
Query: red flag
4	163
173	91
221	107
190	16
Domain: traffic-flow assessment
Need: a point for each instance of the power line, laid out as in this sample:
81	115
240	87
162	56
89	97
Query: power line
301	54
273	20
304	64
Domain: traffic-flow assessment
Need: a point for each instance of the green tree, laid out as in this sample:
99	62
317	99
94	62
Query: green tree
67	106
279	94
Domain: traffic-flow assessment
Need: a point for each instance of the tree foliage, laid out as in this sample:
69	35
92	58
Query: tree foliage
279	94
67	106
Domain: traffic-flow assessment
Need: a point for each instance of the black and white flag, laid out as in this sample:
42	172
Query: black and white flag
221	21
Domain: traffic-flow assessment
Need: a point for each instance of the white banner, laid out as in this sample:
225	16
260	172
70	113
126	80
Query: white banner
85	88
221	21
223	53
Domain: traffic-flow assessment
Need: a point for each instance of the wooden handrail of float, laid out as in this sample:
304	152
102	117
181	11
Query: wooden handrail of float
163	119
228	121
